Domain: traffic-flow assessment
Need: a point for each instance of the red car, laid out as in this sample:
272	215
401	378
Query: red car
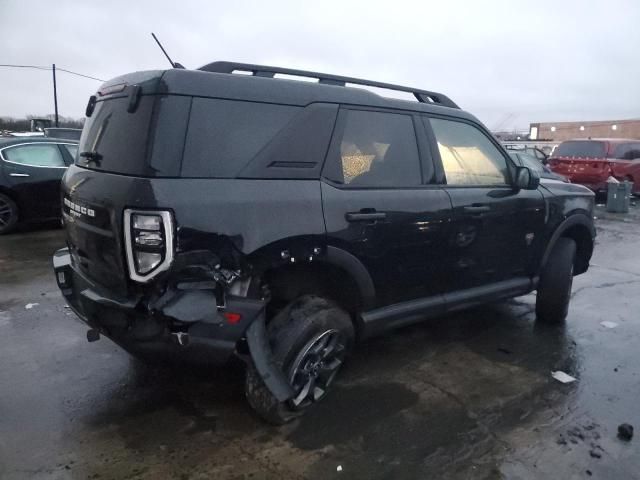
591	162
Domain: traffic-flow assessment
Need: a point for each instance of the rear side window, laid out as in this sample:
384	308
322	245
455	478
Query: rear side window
46	155
627	151
581	148
468	156
225	135
376	149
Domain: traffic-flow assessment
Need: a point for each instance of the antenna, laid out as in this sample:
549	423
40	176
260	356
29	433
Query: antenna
174	65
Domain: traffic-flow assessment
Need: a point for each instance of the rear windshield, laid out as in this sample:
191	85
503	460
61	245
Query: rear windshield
583	148
114	140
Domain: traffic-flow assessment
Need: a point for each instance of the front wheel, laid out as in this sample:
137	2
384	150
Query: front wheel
309	339
556	280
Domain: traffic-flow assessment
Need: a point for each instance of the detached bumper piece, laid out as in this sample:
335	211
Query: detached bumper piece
183	325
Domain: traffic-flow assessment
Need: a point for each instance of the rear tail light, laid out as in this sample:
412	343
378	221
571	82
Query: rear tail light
149	243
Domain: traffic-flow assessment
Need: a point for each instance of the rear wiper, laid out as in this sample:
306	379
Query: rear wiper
94	157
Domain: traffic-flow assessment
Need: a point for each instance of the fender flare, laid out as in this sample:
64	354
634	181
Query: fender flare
354	267
569	222
258	340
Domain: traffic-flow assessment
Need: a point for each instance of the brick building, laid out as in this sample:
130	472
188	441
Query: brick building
559	131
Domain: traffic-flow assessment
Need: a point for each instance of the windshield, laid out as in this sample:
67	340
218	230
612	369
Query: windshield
581	148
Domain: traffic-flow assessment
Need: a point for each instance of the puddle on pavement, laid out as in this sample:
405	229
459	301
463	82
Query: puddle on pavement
351	410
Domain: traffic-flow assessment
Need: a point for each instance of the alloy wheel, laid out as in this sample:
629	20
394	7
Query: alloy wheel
5	213
315	367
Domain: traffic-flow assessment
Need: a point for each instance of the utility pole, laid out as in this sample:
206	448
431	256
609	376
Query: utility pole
55	93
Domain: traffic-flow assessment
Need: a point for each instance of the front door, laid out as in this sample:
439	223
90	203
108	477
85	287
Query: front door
34	171
379	203
496	229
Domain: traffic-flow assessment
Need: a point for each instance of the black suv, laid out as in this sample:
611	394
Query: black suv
225	211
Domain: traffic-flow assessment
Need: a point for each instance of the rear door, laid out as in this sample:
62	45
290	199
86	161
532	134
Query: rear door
496	229
34	171
381	203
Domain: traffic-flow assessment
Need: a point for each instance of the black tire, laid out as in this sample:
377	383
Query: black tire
305	325
8	214
556	280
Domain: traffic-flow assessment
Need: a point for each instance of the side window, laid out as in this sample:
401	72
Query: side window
377	149
45	155
628	151
72	149
468	156
225	135
621	151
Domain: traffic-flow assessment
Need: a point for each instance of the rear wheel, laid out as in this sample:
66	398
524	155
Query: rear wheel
8	214
310	339
556	280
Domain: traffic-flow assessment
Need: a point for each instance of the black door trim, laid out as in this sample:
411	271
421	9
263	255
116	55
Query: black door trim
383	319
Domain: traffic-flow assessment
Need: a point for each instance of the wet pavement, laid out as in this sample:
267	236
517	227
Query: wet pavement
466	396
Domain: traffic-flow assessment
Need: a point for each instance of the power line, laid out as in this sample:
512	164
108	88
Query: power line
49	69
79	74
25	66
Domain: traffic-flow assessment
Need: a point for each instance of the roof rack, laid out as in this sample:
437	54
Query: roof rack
423	96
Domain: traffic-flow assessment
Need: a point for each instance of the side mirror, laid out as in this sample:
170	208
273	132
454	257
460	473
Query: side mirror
526	178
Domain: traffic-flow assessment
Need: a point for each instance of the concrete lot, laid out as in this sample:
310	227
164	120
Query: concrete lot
467	396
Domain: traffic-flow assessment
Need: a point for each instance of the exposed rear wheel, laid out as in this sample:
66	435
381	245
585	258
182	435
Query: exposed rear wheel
556	280
8	214
310	339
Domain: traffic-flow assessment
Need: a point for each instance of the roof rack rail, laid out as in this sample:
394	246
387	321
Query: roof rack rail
423	96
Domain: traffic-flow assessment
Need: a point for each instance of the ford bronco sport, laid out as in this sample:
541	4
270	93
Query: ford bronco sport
211	213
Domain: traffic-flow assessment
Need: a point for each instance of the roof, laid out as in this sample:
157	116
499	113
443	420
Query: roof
424	96
266	89
7	141
610	140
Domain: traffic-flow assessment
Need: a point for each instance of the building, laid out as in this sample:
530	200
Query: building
560	131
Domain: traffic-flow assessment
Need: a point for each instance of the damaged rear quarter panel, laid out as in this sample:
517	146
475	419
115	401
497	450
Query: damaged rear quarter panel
249	213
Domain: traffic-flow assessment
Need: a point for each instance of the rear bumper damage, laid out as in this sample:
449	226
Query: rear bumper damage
181	324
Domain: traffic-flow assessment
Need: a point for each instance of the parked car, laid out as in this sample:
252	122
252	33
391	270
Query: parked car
526	160
30	173
591	162
541	153
211	214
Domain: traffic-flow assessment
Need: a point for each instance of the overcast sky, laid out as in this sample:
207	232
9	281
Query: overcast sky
508	62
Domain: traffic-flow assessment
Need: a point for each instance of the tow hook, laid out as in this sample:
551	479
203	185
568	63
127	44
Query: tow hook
181	338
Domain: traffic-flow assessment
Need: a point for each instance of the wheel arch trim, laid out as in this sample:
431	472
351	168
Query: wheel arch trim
575	220
354	267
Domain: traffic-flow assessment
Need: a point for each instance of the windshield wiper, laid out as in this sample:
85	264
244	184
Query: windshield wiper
92	157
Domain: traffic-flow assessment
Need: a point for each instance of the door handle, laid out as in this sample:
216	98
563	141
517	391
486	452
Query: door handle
365	216
475	209
19	175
